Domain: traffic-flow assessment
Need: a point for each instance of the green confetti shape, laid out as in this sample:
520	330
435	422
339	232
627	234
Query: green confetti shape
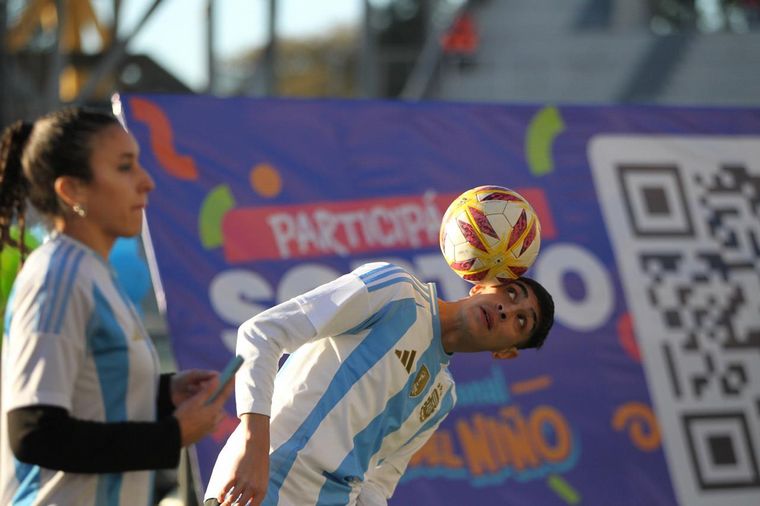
563	489
545	126
214	207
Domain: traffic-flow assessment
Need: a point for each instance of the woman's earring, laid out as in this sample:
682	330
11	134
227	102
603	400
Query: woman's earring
79	210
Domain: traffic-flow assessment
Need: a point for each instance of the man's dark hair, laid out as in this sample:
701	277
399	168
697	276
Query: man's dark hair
546	320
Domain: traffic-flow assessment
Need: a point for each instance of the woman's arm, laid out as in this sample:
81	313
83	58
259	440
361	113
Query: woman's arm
164	404
47	436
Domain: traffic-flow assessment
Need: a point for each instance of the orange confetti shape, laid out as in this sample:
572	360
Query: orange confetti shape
531	385
266	180
639	420
162	140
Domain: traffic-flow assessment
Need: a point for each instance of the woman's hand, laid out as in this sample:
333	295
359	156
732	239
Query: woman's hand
185	384
197	418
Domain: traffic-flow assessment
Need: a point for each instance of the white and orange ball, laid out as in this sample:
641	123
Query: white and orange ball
490	234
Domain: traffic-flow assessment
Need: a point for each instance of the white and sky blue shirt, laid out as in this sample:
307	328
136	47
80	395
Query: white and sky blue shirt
365	385
72	339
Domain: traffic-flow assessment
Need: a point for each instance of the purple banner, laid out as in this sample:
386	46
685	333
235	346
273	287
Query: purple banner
260	200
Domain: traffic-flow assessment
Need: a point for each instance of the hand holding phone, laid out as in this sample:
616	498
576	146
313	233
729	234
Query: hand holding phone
227	375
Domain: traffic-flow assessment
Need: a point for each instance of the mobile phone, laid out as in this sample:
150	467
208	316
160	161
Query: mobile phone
227	375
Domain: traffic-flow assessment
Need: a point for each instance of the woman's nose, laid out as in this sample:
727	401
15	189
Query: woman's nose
147	183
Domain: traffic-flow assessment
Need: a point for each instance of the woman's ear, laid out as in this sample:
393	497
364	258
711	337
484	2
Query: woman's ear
70	190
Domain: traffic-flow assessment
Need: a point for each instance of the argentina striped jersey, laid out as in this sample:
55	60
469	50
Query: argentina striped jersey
365	385
72	340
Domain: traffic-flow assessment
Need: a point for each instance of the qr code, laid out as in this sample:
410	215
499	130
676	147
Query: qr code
683	214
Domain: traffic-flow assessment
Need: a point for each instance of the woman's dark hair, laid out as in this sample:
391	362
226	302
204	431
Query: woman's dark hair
34	155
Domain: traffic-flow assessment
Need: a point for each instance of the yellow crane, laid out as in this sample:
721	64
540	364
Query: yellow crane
75	20
42	15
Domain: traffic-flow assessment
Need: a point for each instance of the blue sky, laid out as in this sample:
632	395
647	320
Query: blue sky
175	35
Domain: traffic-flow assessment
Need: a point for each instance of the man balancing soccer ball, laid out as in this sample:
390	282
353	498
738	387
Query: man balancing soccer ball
367	379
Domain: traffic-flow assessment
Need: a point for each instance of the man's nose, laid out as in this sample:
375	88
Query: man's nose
502	312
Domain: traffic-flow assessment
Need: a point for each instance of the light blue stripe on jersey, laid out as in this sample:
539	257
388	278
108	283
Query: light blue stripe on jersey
28	477
109	489
43	292
67	291
383	276
152	495
52	286
446	405
379	272
8	313
400	279
108	345
398	317
123	294
368	441
369	322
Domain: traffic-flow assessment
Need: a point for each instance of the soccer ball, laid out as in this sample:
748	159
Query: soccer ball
490	234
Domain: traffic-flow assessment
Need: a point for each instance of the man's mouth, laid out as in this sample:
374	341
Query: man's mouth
487	318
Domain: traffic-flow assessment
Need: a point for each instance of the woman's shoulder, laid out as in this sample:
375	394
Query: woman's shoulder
58	260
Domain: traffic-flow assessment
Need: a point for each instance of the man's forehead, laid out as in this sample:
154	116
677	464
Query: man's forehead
518	283
525	289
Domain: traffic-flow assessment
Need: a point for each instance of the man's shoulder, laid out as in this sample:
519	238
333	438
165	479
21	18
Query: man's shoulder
378	270
391	281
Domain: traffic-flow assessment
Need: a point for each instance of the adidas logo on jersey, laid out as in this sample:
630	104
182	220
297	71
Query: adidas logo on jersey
407	358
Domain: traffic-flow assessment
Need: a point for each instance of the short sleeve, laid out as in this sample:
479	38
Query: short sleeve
45	344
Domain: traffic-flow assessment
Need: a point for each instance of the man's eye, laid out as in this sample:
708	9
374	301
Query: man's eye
512	294
521	321
125	168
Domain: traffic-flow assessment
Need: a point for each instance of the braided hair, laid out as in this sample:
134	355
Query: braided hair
34	155
14	187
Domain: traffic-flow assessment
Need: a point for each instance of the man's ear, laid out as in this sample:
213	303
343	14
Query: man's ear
70	190
476	289
505	354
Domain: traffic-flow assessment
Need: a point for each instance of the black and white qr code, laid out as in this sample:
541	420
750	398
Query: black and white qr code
683	214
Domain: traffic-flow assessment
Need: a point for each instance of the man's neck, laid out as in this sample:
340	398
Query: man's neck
449	326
